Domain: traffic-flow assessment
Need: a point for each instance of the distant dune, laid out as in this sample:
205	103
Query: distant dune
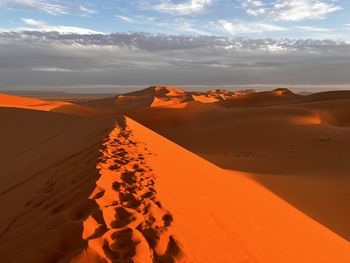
164	97
90	186
12	101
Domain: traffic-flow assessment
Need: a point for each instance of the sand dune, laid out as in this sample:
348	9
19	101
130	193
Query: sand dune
164	97
332	112
328	95
131	224
265	98
296	146
48	170
233	212
107	189
43	105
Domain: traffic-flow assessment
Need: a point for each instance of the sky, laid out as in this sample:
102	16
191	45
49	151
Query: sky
106	44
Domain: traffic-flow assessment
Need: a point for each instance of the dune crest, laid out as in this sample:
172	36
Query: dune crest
131	224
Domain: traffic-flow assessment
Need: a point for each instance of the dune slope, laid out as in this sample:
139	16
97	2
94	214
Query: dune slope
158	202
48	170
226	217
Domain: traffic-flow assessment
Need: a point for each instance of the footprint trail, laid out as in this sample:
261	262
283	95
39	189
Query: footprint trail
130	224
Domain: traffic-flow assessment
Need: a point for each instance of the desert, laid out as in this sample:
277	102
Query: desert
174	131
176	176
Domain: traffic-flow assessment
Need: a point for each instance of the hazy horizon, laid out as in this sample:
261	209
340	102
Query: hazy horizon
120	89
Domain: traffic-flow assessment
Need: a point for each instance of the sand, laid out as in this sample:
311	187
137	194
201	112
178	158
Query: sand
297	146
11	101
48	170
104	188
216	211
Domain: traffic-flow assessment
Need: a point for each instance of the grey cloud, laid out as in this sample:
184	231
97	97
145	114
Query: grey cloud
50	59
159	42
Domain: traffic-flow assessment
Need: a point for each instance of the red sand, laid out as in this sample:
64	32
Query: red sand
11	101
296	146
143	198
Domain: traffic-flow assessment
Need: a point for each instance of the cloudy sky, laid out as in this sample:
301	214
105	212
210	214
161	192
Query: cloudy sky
102	44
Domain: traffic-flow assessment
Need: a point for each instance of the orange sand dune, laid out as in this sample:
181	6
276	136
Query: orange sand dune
204	99
107	189
164	97
297	147
131	224
157	96
332	112
43	105
167	102
276	144
157	91
216	211
259	99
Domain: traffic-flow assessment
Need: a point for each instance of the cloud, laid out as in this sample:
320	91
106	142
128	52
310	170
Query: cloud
87	10
159	43
238	27
187	26
46	69
189	7
125	18
313	29
290	10
51	7
166	24
33	22
37	25
254	7
184	26
49	59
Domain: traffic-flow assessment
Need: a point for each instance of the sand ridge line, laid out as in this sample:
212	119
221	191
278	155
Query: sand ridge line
131	224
